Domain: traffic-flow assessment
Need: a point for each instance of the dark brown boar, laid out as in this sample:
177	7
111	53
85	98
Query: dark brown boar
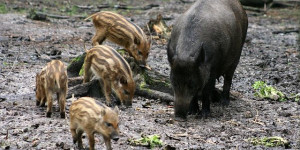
51	80
206	43
114	73
89	116
117	29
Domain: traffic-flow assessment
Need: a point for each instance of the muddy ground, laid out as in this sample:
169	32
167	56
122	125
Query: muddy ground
27	45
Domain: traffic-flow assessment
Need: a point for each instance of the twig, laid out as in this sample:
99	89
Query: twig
14	63
171	137
6	134
256	120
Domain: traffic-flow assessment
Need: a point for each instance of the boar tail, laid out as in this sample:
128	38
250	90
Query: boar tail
90	16
56	80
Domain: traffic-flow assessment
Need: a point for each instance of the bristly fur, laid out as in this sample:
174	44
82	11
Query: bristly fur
113	70
53	79
89	116
119	30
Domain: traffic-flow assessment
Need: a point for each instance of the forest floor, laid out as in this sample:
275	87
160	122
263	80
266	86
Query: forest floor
26	45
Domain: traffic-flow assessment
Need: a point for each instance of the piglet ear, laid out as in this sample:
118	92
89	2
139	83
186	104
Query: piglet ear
116	109
123	80
103	112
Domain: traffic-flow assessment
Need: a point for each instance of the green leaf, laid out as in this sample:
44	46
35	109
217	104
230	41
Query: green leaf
265	91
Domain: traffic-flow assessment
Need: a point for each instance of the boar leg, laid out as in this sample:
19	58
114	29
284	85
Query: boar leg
79	138
107	92
49	103
87	71
194	106
38	101
73	128
226	87
91	140
62	101
206	95
107	143
43	102
99	37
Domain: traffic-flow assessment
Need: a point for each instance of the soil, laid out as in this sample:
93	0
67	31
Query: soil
27	45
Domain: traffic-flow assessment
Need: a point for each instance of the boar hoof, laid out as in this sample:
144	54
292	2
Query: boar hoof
225	101
205	114
216	96
43	105
48	114
37	103
194	110
62	115
109	104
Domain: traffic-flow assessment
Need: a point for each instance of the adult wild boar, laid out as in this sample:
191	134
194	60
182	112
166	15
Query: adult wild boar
206	43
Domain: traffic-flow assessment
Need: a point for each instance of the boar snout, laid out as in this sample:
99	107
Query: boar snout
128	103
181	107
114	136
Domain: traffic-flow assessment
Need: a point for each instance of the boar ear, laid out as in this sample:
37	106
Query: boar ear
137	41
116	109
200	55
102	112
123	80
170	53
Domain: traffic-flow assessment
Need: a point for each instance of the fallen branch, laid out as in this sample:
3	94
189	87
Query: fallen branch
285	3
84	7
153	94
54	16
286	31
147	7
249	8
187	1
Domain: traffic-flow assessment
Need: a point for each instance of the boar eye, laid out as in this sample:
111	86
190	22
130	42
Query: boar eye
126	92
139	52
108	124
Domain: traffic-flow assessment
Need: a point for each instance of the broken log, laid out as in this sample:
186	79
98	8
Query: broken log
154	94
149	83
76	65
255	3
37	15
93	89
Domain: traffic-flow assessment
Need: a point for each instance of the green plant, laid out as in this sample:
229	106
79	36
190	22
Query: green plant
150	141
3	9
81	72
265	91
296	97
274	141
